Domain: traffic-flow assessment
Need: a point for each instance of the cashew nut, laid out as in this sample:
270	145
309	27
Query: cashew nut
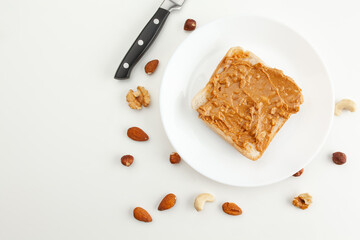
346	104
201	199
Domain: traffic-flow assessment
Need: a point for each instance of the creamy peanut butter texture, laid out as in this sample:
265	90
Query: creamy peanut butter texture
250	103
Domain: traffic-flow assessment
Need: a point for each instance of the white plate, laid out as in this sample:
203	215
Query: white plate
189	70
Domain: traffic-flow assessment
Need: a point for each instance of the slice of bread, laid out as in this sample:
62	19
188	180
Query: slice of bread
249	149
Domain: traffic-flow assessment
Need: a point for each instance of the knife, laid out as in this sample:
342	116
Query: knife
146	38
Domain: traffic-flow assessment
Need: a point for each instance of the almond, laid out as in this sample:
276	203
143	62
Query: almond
137	134
231	209
151	66
127	160
175	158
142	215
167	202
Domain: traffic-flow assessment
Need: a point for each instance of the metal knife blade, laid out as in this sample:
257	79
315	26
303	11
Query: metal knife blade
171	5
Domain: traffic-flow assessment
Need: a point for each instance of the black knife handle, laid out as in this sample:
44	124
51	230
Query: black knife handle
142	43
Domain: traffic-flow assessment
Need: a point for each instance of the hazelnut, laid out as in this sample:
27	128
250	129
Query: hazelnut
175	158
190	25
127	160
339	158
298	174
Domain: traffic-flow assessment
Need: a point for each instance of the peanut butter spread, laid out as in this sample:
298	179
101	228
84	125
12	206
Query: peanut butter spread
249	103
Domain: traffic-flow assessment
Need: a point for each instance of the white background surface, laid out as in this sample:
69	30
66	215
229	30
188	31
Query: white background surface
63	121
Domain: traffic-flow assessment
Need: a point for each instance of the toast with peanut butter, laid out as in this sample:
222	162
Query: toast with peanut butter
247	102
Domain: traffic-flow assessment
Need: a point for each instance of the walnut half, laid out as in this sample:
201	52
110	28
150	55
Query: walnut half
138	98
302	201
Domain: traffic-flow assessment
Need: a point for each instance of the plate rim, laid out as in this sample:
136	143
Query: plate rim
326	72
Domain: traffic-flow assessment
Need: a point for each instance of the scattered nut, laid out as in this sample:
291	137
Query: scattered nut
339	158
302	201
142	215
137	134
190	25
231	209
138	98
167	202
151	66
201	199
175	158
346	104
298	174
134	103
127	160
